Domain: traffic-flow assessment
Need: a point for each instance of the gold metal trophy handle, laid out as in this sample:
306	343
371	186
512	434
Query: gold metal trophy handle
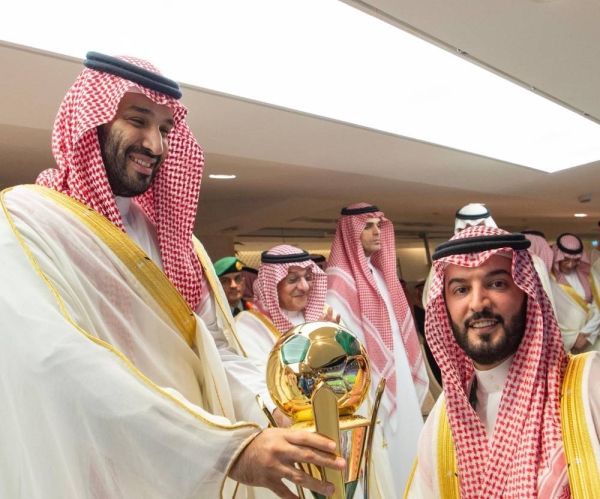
325	409
378	395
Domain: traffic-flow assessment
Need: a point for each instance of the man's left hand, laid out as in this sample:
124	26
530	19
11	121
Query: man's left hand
329	316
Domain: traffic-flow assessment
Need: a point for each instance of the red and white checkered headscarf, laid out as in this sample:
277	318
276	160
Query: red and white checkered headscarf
172	200
271	274
540	247
582	270
348	255
528	428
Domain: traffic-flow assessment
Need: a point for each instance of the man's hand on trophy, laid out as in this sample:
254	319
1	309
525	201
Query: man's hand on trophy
330	316
272	455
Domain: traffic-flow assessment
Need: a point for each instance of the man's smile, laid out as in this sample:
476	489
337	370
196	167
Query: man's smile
483	323
144	165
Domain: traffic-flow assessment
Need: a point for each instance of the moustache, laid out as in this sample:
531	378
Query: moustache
484	314
143	151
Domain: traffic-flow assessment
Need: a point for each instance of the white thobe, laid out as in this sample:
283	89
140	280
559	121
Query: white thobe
572	317
490	385
399	435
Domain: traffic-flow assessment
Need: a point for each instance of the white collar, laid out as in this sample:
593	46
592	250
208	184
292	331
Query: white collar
124	205
295	318
493	380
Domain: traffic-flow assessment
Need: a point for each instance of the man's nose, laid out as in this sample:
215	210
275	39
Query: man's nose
480	299
303	284
153	140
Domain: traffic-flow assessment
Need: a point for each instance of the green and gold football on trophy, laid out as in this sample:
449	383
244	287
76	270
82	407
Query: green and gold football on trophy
315	352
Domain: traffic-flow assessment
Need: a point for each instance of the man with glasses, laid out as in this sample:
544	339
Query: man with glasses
229	272
575	293
290	290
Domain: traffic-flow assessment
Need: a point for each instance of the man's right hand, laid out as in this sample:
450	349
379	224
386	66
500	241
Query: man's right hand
273	455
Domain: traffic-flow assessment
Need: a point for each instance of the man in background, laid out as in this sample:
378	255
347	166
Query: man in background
229	271
575	294
471	215
363	286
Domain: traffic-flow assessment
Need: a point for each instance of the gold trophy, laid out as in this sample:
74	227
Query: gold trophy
318	374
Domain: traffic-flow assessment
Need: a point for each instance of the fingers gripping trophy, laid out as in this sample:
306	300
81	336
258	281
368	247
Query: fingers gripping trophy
318	374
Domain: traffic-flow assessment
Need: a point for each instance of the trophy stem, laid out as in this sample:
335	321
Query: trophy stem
369	446
325	409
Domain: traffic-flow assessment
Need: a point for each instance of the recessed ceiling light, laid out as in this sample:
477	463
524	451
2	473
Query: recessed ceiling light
222	177
581	215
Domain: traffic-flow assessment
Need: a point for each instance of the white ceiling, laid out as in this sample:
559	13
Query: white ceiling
295	171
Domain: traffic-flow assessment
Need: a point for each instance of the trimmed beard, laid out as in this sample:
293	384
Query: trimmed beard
487	352
115	156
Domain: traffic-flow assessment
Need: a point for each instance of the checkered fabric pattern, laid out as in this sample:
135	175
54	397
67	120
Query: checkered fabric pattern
528	427
540	247
572	242
265	288
172	200
348	255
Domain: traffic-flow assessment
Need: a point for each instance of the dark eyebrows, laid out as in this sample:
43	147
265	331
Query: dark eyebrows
492	273
147	112
455	280
497	272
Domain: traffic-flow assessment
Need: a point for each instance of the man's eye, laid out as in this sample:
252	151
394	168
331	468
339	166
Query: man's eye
137	121
498	284
164	131
459	291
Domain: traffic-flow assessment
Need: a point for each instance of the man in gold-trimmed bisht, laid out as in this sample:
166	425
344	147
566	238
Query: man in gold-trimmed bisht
118	371
518	417
575	288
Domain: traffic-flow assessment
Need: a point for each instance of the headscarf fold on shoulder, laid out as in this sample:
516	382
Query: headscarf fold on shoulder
172	200
347	255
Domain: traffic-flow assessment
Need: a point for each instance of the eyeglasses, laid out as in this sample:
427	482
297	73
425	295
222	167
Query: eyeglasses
293	279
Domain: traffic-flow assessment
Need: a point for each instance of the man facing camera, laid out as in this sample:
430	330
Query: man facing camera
517	417
229	272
